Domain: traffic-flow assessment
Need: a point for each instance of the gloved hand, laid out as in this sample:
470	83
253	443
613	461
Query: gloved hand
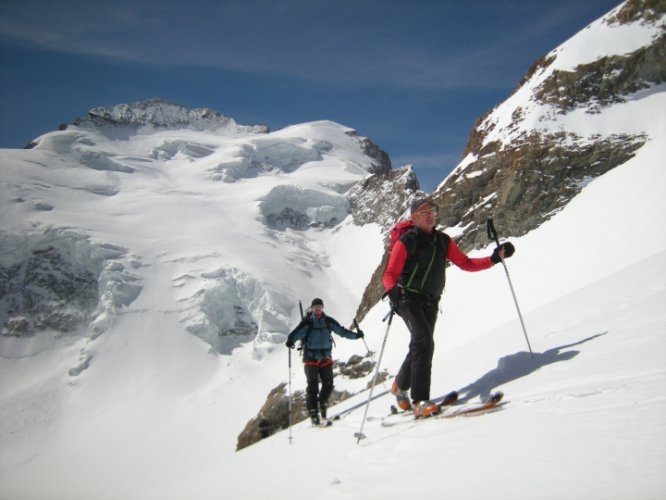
359	334
394	295
289	343
508	252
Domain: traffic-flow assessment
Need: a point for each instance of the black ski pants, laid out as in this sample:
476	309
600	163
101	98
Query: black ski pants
313	395
420	315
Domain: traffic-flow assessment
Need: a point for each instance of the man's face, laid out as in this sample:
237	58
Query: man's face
424	218
318	309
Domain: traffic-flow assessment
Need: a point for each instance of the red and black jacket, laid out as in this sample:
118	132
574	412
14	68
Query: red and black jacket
418	262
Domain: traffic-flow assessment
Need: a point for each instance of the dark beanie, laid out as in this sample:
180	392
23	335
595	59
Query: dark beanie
317	302
418	203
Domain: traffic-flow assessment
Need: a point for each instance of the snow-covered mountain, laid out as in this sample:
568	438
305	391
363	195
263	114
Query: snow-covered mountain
572	118
150	272
223	197
216	228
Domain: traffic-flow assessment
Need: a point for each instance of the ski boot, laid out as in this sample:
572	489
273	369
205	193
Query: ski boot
402	397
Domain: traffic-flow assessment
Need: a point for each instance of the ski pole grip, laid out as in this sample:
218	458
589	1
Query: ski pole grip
492	234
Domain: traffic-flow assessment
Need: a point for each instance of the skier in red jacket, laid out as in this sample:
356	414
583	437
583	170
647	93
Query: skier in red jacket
414	281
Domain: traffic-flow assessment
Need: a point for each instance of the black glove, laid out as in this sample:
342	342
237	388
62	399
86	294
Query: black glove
359	335
508	252
290	342
394	295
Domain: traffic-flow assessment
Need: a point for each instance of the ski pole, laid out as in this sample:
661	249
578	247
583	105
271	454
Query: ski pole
290	410
359	435
358	329
492	234
370	353
300	306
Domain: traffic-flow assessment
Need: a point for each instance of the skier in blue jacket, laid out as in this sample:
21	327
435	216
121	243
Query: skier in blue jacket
317	344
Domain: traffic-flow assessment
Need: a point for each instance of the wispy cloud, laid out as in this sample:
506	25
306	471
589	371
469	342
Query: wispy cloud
419	45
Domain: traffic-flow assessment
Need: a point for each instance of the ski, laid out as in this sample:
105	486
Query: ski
492	403
448	400
323	424
358	405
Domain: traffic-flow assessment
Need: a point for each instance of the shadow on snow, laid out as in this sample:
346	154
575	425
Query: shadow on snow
518	365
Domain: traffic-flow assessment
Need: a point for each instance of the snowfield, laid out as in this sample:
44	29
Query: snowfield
190	238
156	414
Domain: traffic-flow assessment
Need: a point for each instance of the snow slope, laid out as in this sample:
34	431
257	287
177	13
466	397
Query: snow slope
156	400
182	217
156	414
584	416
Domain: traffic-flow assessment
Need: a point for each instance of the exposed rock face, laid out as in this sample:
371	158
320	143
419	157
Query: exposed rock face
382	198
61	282
526	183
382	164
606	81
162	114
46	291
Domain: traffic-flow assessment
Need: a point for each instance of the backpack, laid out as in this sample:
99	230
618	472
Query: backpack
395	234
307	320
401	228
397	231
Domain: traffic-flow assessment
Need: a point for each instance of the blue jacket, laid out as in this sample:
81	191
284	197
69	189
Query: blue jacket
316	334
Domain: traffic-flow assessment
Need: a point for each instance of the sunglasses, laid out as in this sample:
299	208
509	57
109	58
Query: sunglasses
424	211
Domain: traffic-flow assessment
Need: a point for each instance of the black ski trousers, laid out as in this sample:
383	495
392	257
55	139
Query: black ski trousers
420	315
313	372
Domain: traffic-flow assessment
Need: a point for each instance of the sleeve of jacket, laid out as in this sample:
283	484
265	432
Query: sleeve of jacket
299	332
396	263
341	330
466	263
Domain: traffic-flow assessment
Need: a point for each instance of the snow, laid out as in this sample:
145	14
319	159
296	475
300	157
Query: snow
603	38
154	406
156	414
599	39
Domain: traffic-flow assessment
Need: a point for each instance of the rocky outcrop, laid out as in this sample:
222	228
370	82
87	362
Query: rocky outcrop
46	291
525	184
639	10
382	198
274	414
60	281
605	81
162	114
382	162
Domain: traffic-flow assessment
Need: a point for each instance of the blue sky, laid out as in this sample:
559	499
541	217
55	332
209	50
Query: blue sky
413	75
